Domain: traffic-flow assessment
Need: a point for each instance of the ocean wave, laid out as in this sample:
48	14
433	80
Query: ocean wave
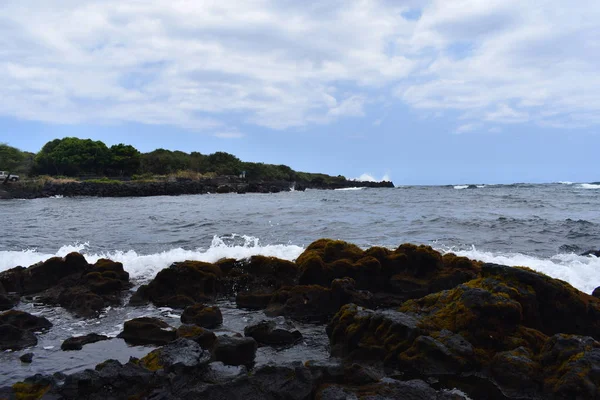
589	186
579	271
145	267
565	182
461	187
352	188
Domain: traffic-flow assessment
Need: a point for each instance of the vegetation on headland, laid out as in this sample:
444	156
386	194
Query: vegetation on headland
86	159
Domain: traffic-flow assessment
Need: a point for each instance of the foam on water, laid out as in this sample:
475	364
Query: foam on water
144	267
580	271
351	188
461	186
589	186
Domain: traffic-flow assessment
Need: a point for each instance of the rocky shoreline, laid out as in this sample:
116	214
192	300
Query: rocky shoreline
405	323
168	188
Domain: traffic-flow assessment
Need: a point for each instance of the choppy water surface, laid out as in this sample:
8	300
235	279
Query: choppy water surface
544	227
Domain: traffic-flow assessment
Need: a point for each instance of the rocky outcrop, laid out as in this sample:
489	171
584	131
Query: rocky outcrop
272	334
224	184
146	330
17	329
234	350
201	315
77	342
82	288
523	332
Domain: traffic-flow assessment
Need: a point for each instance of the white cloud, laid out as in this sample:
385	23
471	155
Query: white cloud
229	135
467	128
208	66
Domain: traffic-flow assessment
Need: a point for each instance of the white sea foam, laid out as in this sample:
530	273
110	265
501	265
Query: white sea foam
145	267
352	188
580	271
461	186
565	182
589	186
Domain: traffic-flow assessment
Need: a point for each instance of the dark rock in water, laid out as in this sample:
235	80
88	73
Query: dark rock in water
201	315
182	284
13	338
268	333
261	274
177	356
596	292
253	301
233	350
77	342
27	358
70	282
146	330
472	187
409	271
7	300
25	321
203	337
595	253
218	372
314	303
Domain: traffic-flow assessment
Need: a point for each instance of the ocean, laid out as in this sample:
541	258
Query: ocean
544	227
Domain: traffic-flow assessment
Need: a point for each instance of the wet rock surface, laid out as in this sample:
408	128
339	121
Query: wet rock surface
82	288
77	342
17	329
404	323
146	330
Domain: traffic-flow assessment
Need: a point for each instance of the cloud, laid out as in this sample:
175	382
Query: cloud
211	66
229	135
467	128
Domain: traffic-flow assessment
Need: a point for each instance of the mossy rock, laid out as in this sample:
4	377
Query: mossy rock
146	330
201	315
193	279
202	336
30	391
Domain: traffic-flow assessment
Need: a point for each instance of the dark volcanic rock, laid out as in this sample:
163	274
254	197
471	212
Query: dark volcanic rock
70	282
269	333
25	321
27	358
182	284
253	301
177	356
201	315
14	338
203	337
591	253
596	292
147	330
233	350
77	342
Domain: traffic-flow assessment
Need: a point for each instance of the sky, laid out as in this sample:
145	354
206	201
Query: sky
420	92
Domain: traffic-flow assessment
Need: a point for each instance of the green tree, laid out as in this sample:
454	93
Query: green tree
125	160
11	159
224	163
72	156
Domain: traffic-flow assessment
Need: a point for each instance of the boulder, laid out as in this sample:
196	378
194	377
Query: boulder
201	315
596	292
25	321
595	253
203	337
177	357
26	358
13	338
146	330
269	333
183	284
70	282
253	301
234	350
77	342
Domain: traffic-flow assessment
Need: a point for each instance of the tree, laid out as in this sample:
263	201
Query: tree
125	160
224	163
72	156
11	158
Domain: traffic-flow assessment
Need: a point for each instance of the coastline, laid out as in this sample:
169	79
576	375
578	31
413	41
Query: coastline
409	320
224	184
